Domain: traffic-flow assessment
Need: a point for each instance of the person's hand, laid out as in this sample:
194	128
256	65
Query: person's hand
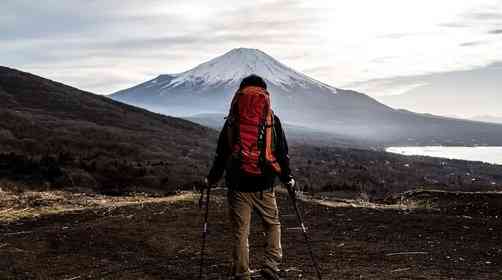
202	185
290	186
291	183
208	183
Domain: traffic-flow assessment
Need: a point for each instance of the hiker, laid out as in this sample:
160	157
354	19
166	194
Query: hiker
252	151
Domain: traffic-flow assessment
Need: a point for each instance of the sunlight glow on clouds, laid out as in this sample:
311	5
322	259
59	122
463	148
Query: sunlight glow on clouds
104	46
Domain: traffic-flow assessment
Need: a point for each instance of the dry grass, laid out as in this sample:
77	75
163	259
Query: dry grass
357	202
16	205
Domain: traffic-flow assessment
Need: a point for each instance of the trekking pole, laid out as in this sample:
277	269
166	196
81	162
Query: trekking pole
204	229
292	195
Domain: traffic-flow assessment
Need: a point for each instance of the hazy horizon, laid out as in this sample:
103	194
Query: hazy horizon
415	50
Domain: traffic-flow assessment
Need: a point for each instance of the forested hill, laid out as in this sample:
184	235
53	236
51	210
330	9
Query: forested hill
91	140
56	136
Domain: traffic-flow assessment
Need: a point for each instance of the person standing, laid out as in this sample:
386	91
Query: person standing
252	151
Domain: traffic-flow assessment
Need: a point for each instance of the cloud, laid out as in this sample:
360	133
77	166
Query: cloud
454	25
396	35
486	16
115	24
96	40
107	45
383	59
28	20
473	92
471	44
402	84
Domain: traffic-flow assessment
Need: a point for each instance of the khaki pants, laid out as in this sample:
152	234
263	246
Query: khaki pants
241	204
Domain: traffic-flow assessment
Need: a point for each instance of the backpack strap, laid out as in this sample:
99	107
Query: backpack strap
270	157
233	122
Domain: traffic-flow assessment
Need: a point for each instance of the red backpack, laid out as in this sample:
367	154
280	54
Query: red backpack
251	131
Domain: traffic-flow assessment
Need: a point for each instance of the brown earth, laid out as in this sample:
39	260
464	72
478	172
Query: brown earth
161	240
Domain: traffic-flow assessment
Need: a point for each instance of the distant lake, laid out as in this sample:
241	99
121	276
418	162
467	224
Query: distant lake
485	154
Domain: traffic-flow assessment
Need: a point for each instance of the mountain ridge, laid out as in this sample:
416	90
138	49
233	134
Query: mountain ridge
487	118
301	101
233	66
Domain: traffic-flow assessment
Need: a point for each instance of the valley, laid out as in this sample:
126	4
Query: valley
337	140
93	188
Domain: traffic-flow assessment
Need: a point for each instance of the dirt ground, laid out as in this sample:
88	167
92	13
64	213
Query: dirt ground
161	240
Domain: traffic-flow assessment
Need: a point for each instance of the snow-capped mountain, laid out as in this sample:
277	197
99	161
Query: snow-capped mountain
233	66
209	87
299	100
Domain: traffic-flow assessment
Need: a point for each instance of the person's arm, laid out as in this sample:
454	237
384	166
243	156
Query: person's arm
222	152
282	152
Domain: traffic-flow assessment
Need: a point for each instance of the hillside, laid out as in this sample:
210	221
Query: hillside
302	101
55	136
296	135
54	133
81	153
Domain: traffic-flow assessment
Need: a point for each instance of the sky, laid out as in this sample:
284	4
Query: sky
384	48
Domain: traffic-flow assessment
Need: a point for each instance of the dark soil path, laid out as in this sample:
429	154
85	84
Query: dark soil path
162	241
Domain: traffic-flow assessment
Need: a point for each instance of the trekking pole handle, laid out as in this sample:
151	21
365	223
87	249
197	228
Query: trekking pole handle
290	187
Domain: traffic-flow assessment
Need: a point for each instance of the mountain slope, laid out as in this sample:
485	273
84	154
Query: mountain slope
303	101
296	135
231	67
488	118
107	140
209	87
471	91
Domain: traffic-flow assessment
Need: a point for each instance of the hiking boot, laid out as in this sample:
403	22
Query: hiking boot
252	274
269	274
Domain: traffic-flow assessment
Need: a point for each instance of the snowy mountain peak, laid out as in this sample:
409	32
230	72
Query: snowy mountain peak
238	63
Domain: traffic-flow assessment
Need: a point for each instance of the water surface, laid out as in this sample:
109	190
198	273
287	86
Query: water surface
485	154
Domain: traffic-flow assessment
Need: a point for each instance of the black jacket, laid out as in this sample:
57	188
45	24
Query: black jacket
233	175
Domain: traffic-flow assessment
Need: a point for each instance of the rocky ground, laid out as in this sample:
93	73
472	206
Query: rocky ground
159	238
